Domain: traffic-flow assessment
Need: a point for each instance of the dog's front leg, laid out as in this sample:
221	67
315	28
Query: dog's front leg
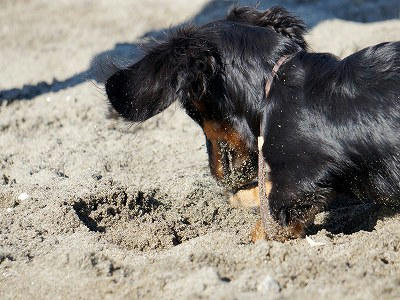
250	198
293	204
246	198
272	228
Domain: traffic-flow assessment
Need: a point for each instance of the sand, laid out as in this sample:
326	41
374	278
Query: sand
93	207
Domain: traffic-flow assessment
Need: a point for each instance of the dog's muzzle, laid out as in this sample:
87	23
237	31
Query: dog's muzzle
233	169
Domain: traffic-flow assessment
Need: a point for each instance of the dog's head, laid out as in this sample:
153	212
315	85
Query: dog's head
218	73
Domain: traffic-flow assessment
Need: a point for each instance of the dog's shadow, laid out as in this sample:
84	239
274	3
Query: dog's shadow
348	216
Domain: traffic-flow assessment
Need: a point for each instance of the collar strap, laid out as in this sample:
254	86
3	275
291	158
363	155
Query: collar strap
263	168
275	70
268	85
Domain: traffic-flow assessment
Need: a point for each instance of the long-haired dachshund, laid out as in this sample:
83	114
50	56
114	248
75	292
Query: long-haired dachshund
330	126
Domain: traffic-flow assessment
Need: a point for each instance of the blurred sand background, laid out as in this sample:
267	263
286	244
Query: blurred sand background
95	208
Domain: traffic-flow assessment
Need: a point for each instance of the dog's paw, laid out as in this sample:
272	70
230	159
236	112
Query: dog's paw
277	232
258	232
245	198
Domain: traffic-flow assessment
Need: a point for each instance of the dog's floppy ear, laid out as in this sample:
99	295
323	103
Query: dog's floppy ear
176	69
277	18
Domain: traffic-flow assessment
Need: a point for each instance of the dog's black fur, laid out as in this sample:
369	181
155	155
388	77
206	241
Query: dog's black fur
332	126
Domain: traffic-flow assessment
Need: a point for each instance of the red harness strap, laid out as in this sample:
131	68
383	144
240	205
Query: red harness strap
266	218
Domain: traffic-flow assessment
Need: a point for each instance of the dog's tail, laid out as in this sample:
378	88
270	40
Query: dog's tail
277	18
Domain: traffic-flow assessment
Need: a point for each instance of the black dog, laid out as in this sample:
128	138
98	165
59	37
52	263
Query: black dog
330	126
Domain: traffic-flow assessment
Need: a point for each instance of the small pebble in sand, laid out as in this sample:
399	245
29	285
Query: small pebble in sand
9	209
48	99
68	98
268	285
23	196
313	243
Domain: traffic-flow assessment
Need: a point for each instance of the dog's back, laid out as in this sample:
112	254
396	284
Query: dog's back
353	106
376	73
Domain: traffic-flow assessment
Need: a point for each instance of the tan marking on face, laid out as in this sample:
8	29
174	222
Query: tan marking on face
217	160
199	105
223	132
217	132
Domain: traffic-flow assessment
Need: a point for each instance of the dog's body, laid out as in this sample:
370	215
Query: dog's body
330	126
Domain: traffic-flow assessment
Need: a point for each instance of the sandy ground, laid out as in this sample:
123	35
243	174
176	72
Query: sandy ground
113	210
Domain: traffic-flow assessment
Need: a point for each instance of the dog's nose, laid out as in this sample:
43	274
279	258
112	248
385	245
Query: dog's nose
283	217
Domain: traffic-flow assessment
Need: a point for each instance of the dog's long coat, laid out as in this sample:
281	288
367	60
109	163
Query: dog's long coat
331	126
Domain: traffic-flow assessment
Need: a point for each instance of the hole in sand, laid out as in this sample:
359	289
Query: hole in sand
150	220
101	211
133	219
